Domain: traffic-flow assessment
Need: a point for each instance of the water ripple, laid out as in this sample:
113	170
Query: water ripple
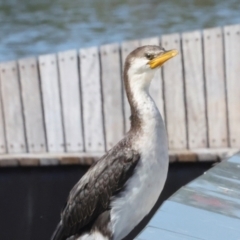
42	26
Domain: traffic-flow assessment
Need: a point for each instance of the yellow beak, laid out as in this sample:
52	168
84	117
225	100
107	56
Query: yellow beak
160	60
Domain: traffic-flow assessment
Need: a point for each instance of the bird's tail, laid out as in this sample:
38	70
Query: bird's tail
59	232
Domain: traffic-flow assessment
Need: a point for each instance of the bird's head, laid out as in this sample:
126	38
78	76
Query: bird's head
142	63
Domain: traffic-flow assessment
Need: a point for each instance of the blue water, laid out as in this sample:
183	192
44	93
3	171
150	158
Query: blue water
33	27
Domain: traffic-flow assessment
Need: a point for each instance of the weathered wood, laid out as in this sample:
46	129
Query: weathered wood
203	198
45	159
92	100
174	95
187	157
48	161
215	88
126	48
172	158
203	154
70	92
153	233
28	162
83	158
32	105
232	59
70	161
12	108
194	79
9	163
50	155
205	116
3	147
112	93
156	87
51	102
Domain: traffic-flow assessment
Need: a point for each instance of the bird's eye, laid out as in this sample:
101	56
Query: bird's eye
149	56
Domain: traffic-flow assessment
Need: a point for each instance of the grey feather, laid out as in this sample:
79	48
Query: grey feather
91	196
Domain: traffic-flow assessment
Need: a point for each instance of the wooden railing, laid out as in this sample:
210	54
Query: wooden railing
71	105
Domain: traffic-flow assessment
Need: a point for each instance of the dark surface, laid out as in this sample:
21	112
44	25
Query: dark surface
31	198
207	208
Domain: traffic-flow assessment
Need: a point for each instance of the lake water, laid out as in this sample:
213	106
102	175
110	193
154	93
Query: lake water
33	27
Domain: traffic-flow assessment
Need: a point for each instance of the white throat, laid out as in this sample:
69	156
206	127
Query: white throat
145	106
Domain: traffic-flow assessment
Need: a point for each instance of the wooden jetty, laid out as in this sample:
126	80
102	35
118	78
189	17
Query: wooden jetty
206	208
70	107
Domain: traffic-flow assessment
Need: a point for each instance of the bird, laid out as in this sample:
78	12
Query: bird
121	188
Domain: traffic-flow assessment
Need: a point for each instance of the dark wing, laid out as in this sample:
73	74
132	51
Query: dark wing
91	195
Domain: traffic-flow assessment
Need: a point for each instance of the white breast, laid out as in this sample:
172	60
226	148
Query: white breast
145	186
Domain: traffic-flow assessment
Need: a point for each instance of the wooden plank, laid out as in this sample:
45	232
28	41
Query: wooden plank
48	162
51	155
112	93
194	79
154	233
194	206
87	158
70	91
190	157
12	108
51	102
203	154
33	112
156	87
215	88
9	163
92	100
174	95
3	147
232	53
28	162
46	159
126	48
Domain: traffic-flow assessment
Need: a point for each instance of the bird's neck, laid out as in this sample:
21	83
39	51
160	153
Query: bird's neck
144	113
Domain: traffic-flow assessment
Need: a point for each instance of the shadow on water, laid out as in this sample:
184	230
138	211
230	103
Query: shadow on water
32	198
41	26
